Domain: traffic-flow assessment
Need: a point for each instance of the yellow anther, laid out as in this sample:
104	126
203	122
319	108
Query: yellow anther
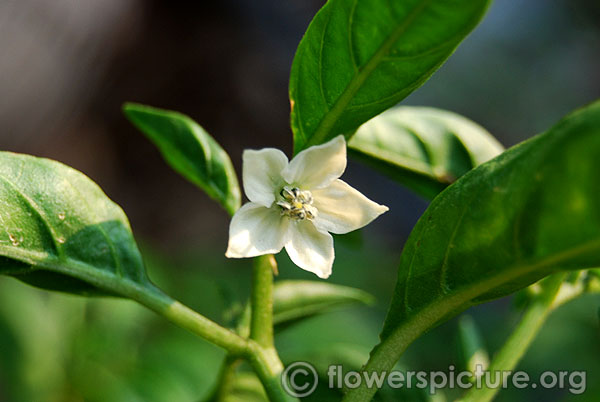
296	204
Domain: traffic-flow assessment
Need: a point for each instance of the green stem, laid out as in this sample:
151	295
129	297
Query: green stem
187	318
385	355
259	350
263	356
268	368
519	341
264	359
145	293
261	324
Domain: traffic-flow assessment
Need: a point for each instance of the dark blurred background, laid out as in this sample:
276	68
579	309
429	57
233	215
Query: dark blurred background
67	66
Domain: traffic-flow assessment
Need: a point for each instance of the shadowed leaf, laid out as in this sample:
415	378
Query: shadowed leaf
425	149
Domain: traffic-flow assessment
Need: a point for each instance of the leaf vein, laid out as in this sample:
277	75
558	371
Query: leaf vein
350	40
32	205
111	247
356	82
322	45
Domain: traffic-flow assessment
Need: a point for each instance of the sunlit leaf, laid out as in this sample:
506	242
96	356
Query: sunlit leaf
359	58
59	231
190	151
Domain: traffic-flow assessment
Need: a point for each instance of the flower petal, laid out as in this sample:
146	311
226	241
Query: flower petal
256	230
262	174
342	209
310	249
317	166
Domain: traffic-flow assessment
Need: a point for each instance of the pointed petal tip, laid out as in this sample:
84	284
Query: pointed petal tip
382	209
231	253
339	138
324	275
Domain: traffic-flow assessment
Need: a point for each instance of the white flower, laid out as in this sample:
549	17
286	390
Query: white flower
295	205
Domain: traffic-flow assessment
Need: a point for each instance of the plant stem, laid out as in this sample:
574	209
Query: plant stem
261	324
519	341
385	355
268	368
259	350
264	359
145	293
187	318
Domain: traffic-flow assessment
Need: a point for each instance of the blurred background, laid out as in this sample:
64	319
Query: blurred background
67	66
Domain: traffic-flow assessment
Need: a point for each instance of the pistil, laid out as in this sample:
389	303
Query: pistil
296	203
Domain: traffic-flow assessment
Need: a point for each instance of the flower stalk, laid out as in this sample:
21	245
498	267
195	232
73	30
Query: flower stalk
264	358
261	324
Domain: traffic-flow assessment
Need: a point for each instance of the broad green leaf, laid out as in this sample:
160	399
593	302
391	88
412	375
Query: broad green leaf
59	231
295	299
359	58
423	148
190	151
533	210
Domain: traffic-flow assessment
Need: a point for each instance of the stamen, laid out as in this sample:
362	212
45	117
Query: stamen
296	203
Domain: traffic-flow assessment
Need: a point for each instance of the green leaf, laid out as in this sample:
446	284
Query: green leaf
190	151
59	231
423	148
531	211
359	58
296	299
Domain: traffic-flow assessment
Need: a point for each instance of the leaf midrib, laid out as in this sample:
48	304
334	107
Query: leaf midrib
385	356
356	82
75	268
463	296
37	210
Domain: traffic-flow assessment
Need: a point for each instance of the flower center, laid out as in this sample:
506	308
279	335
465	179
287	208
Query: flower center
296	203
